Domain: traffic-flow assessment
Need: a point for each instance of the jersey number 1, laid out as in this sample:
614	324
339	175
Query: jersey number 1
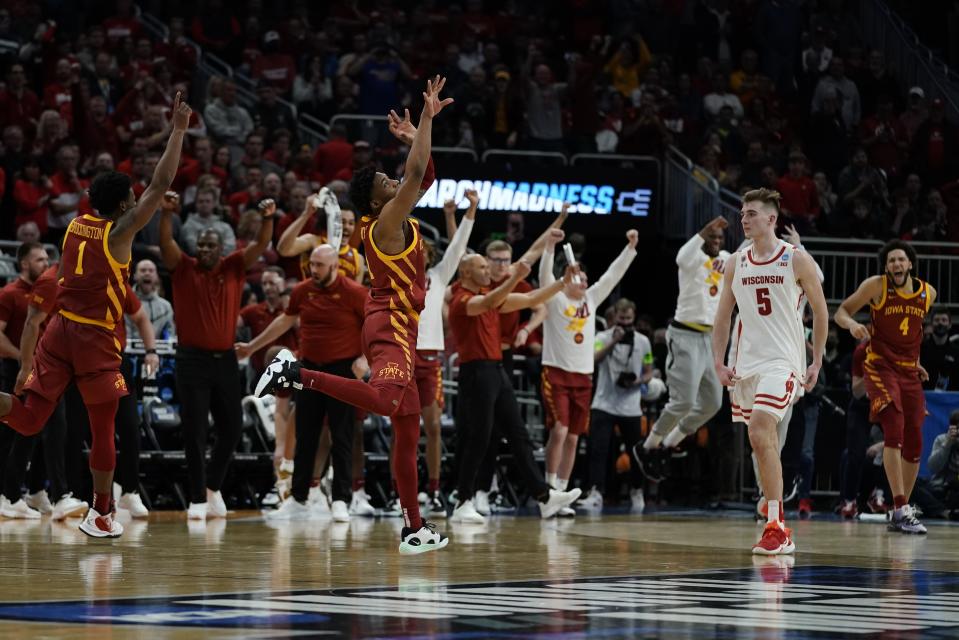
79	270
765	304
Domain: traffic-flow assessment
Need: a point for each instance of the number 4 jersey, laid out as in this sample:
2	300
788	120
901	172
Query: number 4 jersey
770	331
897	323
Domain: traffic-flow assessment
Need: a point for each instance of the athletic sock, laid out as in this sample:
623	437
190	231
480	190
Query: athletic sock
561	484
898	502
434	486
406	435
673	438
773	506
551	479
101	502
652	441
358	484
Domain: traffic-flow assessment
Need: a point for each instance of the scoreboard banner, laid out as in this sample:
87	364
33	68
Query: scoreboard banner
596	190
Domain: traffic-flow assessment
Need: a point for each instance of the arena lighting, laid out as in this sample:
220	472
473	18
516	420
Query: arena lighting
547	197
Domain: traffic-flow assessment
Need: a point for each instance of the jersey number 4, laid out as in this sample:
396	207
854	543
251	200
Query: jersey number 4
765	304
904	326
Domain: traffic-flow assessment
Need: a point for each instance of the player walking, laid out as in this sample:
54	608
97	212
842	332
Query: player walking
768	281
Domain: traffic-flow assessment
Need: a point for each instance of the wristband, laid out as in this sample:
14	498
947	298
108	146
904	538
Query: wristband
150	351
428	176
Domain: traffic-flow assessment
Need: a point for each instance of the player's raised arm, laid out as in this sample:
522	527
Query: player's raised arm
536	249
518	301
121	237
169	249
291	243
395	211
483	303
724	313
868	291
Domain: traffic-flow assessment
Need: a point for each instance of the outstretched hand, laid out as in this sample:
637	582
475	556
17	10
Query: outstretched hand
401	128
181	114
432	104
632	237
170	202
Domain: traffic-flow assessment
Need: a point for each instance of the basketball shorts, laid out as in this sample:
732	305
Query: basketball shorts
87	354
428	371
390	354
567	396
887	384
772	391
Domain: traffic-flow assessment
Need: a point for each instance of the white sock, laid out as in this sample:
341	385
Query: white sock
561	484
773	507
551	479
652	441
673	438
286	465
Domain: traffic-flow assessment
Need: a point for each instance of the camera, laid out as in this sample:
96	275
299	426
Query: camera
626	378
627	338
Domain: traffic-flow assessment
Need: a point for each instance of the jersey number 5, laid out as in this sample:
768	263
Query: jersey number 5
765	304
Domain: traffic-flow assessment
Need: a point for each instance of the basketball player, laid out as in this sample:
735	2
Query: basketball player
293	244
394	250
430	344
767	281
569	334
79	345
695	394
898	303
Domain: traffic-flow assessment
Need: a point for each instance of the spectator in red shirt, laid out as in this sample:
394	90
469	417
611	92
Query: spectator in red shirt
51	135
18	104
94	129
334	155
934	146
177	52
800	199
251	193
247	231
32	193
68	193
884	138
123	25
259	316
201	164
58	93
274	67
279	152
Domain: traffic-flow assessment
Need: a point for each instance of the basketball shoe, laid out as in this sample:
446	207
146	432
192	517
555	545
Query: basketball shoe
40	501
776	540
360	504
68	506
466	513
282	373
805	508
556	501
848	510
481	502
133	503
423	540
877	502
907	522
96	525
17	510
216	507
435	507
593	501
339	511
291	509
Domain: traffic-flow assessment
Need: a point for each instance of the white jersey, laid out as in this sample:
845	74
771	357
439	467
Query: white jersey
569	330
769	330
430	336
700	283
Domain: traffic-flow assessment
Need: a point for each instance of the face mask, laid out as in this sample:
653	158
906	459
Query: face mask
940	330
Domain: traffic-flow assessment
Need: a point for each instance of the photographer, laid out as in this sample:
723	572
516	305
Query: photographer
944	465
624	360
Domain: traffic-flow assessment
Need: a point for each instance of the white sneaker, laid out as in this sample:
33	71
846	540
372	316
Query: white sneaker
339	511
40	502
216	508
360	504
392	509
96	525
134	504
318	503
282	373
291	509
637	501
68	506
481	502
18	510
557	500
467	513
421	541
197	511
593	501
566	512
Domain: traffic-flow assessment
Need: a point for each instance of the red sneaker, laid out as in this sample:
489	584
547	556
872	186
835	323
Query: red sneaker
805	508
848	510
877	502
776	540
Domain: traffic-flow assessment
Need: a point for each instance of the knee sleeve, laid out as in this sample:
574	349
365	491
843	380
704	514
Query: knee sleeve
29	416
103	454
891	420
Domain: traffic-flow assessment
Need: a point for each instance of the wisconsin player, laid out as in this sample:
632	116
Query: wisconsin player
394	251
79	344
768	282
898	303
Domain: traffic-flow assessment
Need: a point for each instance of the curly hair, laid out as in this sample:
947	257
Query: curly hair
108	191
891	246
361	190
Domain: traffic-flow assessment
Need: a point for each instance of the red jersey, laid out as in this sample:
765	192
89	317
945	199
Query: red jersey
207	303
859	359
131	304
478	337
331	319
45	290
350	261
14	300
398	282
509	322
258	317
93	285
897	323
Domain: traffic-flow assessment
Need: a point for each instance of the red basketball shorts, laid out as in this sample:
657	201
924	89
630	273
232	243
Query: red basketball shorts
428	371
567	396
389	344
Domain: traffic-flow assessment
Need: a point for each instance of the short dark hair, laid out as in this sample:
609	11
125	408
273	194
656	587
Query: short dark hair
954	417
891	246
108	191
765	196
361	190
277	270
24	250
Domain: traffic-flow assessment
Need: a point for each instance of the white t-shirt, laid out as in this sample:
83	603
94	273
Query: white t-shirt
569	330
430	336
610	397
700	282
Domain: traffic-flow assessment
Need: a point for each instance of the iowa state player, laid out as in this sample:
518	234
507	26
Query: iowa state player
394	252
767	281
79	345
898	302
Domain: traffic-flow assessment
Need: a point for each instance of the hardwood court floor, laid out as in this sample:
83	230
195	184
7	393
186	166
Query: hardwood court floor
613	576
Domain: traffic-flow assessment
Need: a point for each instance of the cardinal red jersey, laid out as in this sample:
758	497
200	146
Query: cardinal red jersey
131	304
350	261
14	300
93	285
897	323
398	283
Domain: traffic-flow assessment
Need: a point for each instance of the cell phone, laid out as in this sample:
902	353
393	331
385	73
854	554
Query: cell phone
570	259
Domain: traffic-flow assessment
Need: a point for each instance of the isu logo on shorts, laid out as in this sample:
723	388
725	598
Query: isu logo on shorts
29	377
789	385
392	371
119	382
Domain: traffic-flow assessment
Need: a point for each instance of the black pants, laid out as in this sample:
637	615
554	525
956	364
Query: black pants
63	450
128	431
486	395
857	441
208	382
311	409
601	426
17	450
